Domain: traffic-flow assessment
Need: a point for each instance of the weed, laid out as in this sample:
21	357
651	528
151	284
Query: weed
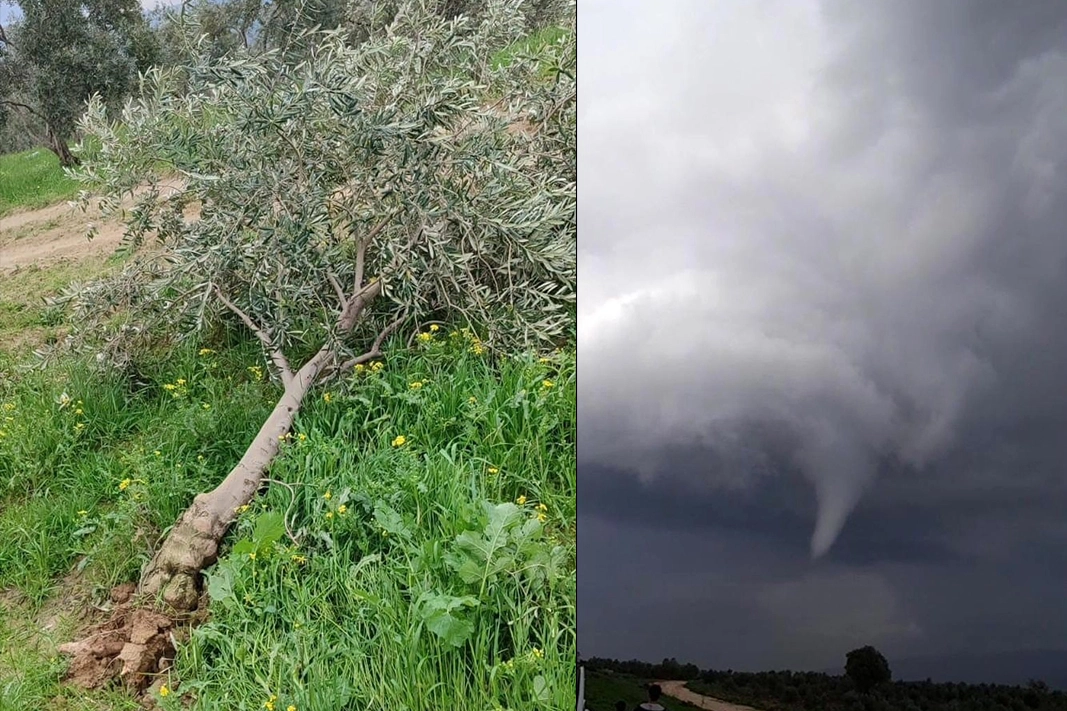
434	573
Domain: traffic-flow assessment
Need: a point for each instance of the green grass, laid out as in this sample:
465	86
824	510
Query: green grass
33	178
26	320
438	573
533	44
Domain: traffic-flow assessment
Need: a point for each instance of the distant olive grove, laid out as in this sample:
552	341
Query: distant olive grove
55	54
814	691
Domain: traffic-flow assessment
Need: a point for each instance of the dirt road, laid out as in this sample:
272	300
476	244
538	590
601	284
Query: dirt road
57	232
49	234
678	690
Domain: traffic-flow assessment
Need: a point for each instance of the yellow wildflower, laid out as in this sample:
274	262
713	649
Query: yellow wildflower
477	348
205	351
78	411
546	384
542	507
327	496
377	366
360	367
327	397
541	516
342	509
269	703
493	470
301	436
290	707
298	559
415	385
83	513
163	690
169	386
399	441
425	337
9	406
80	426
158	453
251	556
242	508
472	399
435	328
329	514
206	406
124	484
180	381
543	360
538	653
521	500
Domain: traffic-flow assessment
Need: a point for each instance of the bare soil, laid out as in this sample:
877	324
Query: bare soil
135	644
678	690
58	233
49	234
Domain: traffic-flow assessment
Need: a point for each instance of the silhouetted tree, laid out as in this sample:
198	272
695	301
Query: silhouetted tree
867	668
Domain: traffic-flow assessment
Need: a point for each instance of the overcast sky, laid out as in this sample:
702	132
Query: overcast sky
822	329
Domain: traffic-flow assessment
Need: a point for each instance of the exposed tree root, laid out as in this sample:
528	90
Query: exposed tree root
135	644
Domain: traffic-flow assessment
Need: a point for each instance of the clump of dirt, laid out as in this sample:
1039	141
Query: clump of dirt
135	644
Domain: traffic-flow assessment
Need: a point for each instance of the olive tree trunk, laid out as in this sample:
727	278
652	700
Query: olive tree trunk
193	543
58	145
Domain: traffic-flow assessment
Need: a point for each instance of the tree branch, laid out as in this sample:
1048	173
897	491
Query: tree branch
264	336
361	253
21	105
341	298
376	349
354	307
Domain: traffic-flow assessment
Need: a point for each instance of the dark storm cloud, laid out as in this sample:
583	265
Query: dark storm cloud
823	265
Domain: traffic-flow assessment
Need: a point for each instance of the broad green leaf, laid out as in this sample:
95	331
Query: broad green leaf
220	583
541	691
390	520
270	527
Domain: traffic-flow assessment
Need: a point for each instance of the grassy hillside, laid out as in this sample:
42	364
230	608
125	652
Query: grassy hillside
32	178
432	499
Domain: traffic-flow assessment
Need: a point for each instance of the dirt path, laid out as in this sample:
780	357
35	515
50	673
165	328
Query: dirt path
49	234
678	690
57	232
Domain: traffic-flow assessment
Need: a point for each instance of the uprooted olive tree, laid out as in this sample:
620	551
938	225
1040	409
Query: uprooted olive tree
360	193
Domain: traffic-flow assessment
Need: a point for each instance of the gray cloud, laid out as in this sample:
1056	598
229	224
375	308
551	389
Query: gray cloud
823	243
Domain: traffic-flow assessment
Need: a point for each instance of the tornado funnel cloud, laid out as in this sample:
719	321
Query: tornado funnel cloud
835	504
840	470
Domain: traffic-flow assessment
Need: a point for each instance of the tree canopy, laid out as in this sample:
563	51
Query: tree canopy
61	52
867	668
407	161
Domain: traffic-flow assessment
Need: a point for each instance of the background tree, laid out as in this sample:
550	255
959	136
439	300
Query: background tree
362	191
63	51
867	668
